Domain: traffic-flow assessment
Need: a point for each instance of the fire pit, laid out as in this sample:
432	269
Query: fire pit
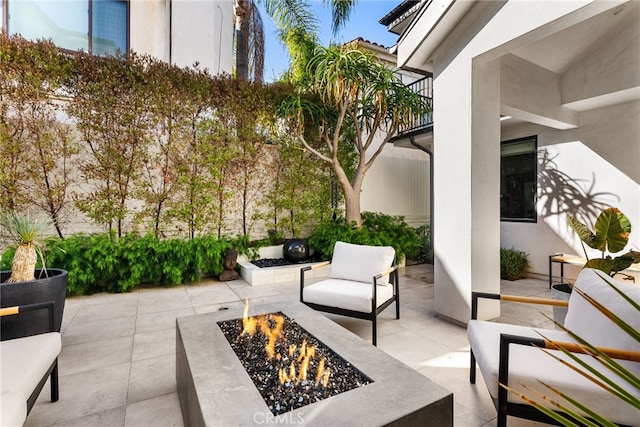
324	375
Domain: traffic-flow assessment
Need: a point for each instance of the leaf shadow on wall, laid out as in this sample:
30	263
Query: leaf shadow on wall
559	193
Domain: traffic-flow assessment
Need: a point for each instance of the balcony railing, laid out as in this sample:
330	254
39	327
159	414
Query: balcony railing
423	122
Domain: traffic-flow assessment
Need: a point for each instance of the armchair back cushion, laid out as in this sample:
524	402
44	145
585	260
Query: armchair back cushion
589	323
360	263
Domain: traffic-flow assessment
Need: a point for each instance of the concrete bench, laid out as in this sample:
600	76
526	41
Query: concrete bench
509	354
25	365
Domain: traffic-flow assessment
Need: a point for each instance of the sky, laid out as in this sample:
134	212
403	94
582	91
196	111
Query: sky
362	23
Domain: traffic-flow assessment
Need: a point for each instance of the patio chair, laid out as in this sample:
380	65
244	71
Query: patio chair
362	282
26	364
511	354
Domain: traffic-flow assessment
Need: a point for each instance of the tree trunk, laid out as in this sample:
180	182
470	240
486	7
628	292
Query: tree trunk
352	205
242	11
24	264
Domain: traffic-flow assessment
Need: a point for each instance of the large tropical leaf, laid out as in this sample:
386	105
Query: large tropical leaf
612	230
583	232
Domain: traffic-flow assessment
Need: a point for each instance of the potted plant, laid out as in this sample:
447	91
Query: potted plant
612	229
24	284
610	236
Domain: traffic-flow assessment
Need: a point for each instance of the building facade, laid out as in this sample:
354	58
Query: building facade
180	32
536	112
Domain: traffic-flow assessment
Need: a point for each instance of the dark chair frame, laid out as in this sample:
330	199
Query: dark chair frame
523	410
371	315
53	369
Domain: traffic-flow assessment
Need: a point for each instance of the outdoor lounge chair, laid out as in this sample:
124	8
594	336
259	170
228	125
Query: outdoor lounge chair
507	354
26	364
362	282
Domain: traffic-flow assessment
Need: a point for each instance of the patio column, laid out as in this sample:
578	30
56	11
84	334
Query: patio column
466	186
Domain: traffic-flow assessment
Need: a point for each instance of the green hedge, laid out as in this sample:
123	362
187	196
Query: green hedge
102	262
377	230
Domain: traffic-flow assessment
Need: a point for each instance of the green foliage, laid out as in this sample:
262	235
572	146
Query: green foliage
351	98
425	250
106	263
377	230
513	264
612	229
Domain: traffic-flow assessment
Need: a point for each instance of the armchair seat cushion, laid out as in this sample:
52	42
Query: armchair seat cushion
24	361
14	409
346	294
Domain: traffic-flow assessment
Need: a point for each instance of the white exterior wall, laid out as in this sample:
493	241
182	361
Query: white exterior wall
398	184
185	32
467	105
599	163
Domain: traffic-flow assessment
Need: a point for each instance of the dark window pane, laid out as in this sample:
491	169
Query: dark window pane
518	180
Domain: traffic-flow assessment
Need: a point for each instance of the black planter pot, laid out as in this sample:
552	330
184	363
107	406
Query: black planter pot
560	291
295	250
49	287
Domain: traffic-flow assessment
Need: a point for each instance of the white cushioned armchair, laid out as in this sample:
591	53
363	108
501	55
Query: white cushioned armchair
508	354
362	282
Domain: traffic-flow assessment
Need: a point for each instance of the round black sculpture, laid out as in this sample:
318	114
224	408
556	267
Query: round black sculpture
295	250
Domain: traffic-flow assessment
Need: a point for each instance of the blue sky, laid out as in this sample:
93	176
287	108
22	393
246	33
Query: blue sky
363	23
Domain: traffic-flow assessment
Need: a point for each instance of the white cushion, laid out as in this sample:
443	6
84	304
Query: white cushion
529	365
589	323
360	263
14	409
346	294
24	361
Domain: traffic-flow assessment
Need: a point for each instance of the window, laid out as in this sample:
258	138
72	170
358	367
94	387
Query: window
518	179
95	26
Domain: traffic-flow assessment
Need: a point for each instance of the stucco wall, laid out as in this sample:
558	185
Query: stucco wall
580	172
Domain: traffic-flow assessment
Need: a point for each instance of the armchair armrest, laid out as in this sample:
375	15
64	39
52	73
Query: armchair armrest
303	270
386	272
512	298
17	309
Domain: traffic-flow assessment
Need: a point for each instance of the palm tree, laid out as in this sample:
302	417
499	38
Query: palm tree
352	99
291	17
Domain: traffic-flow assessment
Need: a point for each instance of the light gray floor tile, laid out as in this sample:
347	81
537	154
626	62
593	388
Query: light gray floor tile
154	344
163	411
107	310
213	293
160	320
86	331
151	378
95	355
163	299
111	418
219	307
83	394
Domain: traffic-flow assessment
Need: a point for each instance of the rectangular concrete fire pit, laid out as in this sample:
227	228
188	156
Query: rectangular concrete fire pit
215	390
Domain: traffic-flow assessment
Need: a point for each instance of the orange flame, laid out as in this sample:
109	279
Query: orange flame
305	352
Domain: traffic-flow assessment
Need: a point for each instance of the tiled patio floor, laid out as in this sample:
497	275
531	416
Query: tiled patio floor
117	366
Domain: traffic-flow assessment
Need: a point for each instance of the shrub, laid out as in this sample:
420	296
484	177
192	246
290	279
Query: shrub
103	262
377	230
425	252
513	264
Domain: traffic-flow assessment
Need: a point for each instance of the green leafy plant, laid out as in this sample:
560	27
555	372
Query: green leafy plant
26	231
513	264
612	229
377	230
425	250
